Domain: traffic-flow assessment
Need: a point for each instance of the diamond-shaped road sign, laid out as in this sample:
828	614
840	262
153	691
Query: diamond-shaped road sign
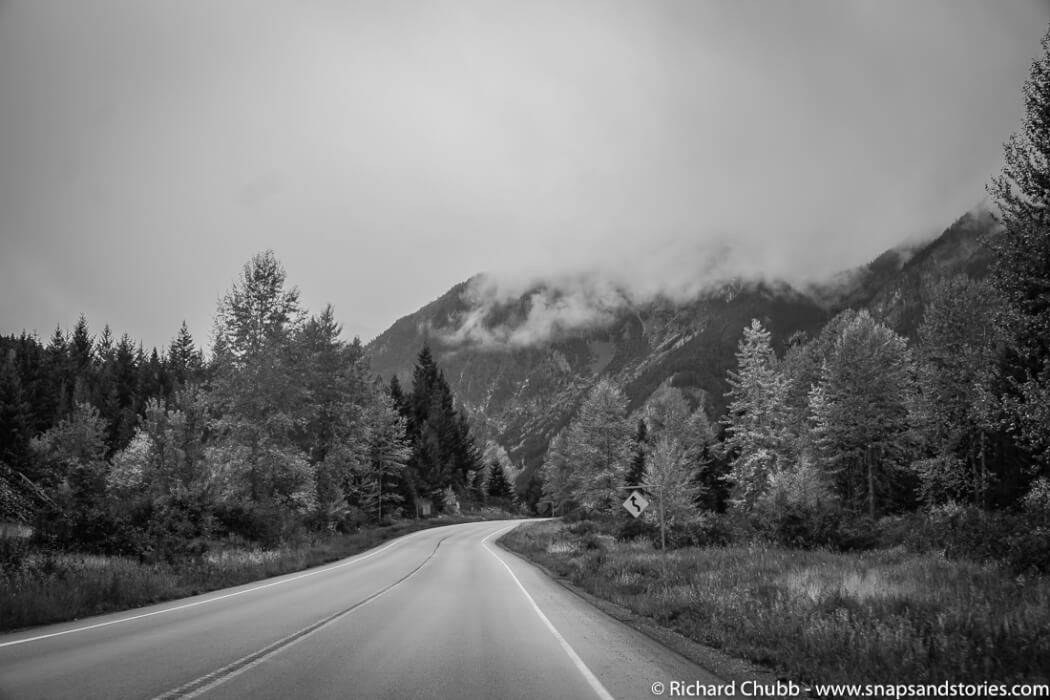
636	503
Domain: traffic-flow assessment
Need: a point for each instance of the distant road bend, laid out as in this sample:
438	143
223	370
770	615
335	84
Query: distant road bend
440	613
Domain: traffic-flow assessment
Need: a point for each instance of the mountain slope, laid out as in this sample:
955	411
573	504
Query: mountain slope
521	393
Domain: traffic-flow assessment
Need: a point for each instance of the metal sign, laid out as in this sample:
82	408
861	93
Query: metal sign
636	503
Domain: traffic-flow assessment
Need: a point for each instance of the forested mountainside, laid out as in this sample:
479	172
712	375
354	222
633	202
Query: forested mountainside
520	395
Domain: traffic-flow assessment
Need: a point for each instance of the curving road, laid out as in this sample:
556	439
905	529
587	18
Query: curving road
440	613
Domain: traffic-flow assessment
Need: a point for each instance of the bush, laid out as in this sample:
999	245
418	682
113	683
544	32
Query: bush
802	526
592	542
1037	501
1029	552
967	532
637	528
13	554
705	530
583	527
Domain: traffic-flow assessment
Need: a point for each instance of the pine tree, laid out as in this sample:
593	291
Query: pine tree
258	391
669	477
60	377
185	361
498	485
757	436
15	417
336	411
398	396
953	411
122	415
598	443
860	411
1022	267
443	450
640	450
388	454
104	346
82	361
560	480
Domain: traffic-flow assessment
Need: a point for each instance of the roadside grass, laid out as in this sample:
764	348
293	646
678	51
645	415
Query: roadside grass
45	587
885	616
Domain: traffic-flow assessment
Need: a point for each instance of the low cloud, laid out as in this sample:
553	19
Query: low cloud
497	318
513	309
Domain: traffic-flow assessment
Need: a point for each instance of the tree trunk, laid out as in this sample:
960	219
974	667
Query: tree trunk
871	484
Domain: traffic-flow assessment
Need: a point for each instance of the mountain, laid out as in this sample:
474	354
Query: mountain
522	387
962	249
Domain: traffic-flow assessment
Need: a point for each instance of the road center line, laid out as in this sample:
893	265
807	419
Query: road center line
219	676
591	679
184	606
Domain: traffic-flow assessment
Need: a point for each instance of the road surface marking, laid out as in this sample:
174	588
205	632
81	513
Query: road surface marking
591	679
219	676
312	572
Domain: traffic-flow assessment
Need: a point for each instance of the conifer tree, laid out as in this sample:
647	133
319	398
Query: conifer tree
443	450
954	410
60	378
669	477
388	454
123	414
757	437
185	361
258	390
498	485
640	449
15	418
1022	267
860	411
560	480
598	443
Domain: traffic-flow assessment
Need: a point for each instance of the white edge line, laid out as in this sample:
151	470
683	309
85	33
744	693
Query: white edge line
313	572
591	679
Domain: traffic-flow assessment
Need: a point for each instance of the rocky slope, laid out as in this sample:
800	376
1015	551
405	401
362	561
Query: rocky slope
522	393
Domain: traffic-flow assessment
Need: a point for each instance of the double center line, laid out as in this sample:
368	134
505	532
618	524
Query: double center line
208	681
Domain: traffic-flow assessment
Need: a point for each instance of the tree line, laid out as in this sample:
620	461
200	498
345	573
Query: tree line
281	429
858	420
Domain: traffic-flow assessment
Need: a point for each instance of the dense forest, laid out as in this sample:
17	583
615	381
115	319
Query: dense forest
280	429
856	423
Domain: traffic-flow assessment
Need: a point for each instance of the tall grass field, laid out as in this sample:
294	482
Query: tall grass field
885	616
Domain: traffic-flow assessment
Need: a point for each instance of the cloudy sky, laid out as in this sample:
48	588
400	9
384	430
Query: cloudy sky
387	150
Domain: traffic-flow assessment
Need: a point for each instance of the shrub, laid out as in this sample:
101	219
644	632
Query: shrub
592	542
705	530
967	532
637	528
802	526
1037	501
1029	552
583	527
13	553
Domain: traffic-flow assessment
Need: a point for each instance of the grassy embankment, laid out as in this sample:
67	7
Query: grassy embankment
44	587
884	616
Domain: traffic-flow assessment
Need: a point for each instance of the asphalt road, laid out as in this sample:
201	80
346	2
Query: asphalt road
441	613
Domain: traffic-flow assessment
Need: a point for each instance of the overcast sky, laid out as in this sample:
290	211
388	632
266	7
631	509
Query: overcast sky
387	150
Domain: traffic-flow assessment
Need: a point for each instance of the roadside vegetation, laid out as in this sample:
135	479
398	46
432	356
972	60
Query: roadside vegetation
871	507
129	477
41	586
892	615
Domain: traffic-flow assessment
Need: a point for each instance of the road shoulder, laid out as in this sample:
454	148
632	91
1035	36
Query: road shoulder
725	667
